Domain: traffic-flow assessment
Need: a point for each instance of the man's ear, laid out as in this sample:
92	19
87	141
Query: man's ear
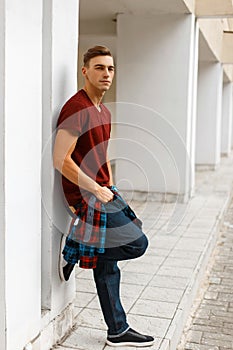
84	71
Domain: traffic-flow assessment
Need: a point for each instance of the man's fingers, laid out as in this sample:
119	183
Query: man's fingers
105	195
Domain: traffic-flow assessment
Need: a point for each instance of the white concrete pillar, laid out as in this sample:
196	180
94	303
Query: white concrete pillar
38	52
193	101
156	67
22	155
226	135
2	178
60	42
232	123
209	109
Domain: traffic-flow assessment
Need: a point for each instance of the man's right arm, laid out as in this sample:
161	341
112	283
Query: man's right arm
63	148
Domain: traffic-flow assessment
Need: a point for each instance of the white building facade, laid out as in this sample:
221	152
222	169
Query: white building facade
172	114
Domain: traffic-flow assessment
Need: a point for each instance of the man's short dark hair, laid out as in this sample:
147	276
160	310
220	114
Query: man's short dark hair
95	51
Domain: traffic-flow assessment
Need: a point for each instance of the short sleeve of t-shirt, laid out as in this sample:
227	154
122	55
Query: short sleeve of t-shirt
71	119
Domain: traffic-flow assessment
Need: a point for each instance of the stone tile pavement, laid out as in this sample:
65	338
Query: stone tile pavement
210	325
158	289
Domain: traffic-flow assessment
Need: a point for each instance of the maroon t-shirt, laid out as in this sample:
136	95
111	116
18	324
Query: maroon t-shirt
93	128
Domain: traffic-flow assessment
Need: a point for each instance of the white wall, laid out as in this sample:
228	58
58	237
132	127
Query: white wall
227	110
209	111
22	178
156	65
2	170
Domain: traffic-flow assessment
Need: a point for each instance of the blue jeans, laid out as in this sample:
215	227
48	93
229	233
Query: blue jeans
124	241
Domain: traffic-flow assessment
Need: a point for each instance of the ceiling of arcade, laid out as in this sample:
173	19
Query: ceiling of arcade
212	15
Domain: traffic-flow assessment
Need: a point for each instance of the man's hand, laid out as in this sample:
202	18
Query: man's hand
104	194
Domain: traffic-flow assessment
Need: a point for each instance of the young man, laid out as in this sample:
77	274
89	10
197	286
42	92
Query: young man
104	229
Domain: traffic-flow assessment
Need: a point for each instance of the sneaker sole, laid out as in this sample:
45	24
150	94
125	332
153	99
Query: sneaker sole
61	259
136	344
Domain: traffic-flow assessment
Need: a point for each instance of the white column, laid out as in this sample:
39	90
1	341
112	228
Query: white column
226	119
209	109
60	42
156	67
23	120
2	179
193	98
232	124
32	61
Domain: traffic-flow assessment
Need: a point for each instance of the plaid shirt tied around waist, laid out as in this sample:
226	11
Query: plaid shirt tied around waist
87	232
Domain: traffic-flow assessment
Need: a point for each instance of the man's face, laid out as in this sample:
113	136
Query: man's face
100	72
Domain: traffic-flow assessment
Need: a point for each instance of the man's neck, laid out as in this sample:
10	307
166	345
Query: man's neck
95	96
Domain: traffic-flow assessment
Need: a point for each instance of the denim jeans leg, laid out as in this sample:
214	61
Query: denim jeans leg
107	279
124	241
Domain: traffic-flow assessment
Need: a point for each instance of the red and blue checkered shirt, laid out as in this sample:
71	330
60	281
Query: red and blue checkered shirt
87	233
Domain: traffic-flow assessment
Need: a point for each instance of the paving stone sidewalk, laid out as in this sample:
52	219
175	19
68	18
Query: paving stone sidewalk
158	289
210	326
